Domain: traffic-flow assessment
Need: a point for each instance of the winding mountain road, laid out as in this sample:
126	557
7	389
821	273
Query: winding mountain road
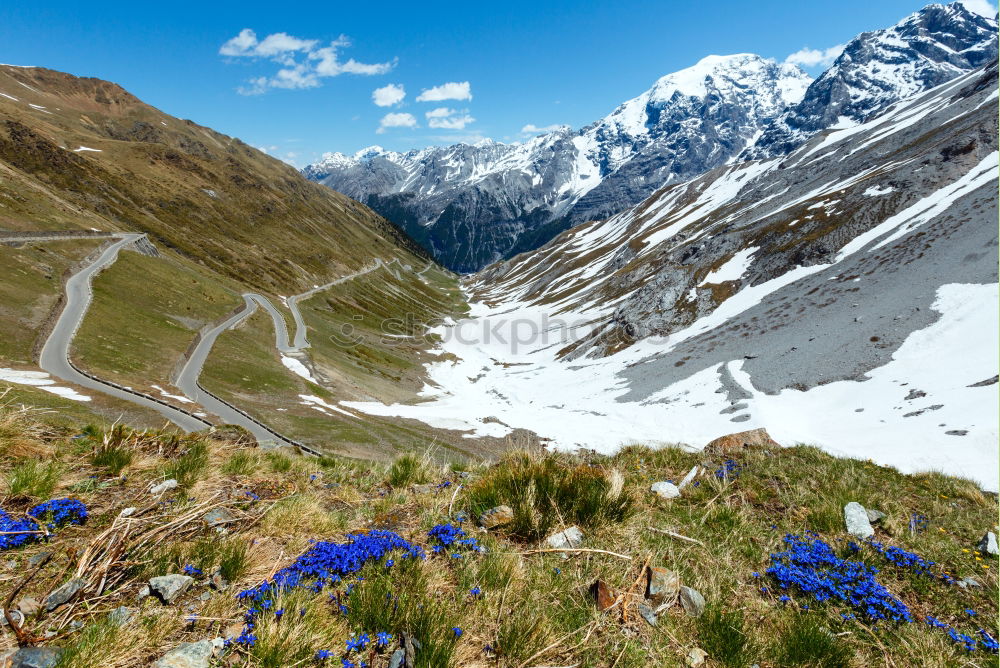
55	354
55	357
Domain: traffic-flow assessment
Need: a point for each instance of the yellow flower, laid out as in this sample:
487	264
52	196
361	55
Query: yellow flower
965	549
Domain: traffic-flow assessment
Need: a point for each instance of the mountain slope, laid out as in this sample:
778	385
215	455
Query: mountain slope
470	205
82	152
845	295
877	68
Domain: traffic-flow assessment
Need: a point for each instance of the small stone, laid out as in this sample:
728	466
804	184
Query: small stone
571	537
696	657
988	544
75	625
662	586
969	582
495	517
217	582
665	490
35	657
145	592
689	477
423	489
733	443
188	655
10	564
648	614
463	475
856	519
603	594
17	615
164	486
64	593
28	606
218	516
169	587
915	394
36	559
692	601
397	658
206	596
121	616
127	512
875	515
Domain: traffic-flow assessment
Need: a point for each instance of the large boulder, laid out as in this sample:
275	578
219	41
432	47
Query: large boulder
731	444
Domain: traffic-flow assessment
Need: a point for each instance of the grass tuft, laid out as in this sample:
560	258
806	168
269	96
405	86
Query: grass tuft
807	643
409	469
546	493
34	479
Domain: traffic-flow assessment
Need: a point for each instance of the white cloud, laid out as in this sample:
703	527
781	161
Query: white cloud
386	96
303	63
982	7
448	119
807	57
532	129
448	91
395	120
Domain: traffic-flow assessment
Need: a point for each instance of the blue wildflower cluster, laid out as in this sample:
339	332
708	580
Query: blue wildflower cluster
811	566
900	557
323	564
55	514
730	469
967	642
450	537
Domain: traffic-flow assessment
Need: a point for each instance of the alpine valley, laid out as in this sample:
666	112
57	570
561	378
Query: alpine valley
711	381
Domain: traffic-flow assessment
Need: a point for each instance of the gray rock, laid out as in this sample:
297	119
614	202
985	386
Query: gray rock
571	537
169	587
36	559
856	518
17	615
188	655
10	564
29	606
968	582
692	601
663	585
665	490
696	657
205	596
164	486
145	592
127	512
64	593
35	657
497	516
875	515
397	658
648	614
218	516
423	489
988	544
121	616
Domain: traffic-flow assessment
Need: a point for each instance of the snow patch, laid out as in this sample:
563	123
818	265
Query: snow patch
298	368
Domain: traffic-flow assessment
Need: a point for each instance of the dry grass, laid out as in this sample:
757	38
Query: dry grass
533	608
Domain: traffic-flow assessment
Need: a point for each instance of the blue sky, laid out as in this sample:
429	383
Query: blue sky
485	69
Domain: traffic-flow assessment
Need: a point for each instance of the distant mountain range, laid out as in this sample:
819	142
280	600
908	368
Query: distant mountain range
470	205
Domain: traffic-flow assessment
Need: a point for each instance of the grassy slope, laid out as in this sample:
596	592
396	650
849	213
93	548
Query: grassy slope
209	196
245	369
30	285
534	608
144	315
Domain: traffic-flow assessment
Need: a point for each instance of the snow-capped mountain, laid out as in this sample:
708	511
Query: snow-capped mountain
843	295
474	204
877	68
470	205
